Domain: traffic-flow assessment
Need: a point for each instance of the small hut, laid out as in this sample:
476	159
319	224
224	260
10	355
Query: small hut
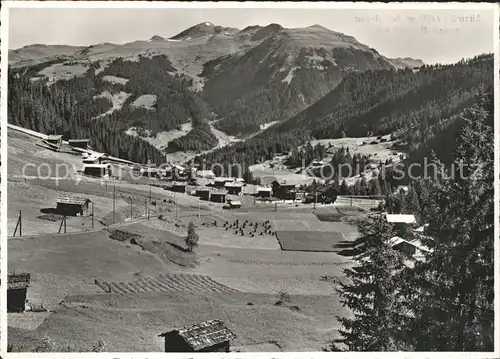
234	203
209	336
54	140
234	188
72	206
79	143
17	289
178	187
97	170
219	197
203	193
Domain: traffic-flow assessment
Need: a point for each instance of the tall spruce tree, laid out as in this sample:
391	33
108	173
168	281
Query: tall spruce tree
371	292
453	304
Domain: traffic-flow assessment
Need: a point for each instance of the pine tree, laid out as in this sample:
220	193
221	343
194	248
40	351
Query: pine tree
454	308
371	291
191	239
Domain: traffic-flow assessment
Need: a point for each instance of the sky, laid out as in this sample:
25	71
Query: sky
439	36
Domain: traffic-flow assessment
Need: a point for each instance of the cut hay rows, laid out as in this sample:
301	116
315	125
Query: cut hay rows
182	282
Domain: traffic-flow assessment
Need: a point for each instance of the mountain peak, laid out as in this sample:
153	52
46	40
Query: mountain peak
157	38
202	29
318	27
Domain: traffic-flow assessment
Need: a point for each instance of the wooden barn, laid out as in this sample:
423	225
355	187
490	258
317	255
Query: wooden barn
178	187
54	140
97	170
234	188
284	189
209	336
221	181
203	193
72	206
264	192
17	289
80	143
219	197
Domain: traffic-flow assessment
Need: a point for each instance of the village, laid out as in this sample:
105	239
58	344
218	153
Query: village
271	243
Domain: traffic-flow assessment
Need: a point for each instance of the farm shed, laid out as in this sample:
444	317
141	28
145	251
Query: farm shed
97	170
234	203
72	206
79	143
264	192
284	189
234	188
219	197
411	248
221	181
203	193
327	194
178	187
17	288
55	140
209	336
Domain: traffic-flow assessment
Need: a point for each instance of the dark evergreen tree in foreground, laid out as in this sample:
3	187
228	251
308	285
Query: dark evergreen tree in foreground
454	306
371	291
446	302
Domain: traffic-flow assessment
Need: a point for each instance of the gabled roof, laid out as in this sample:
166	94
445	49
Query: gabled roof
97	165
53	137
79	140
18	281
204	335
73	200
234	184
234	202
400	218
266	189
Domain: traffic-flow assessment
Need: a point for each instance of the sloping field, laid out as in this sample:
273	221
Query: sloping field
69	264
191	283
132	323
314	241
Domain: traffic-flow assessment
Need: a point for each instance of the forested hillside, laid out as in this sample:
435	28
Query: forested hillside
421	106
288	70
83	106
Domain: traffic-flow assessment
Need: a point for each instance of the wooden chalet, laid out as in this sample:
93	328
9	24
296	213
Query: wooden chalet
284	189
264	192
209	336
72	206
17	289
234	204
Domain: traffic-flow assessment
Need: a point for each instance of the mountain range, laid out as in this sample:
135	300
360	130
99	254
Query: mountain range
252	83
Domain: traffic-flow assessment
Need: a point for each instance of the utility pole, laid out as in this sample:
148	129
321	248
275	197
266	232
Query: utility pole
145	205
18	225
150	192
275	206
131	215
92	215
176	205
114	196
198	207
64	224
